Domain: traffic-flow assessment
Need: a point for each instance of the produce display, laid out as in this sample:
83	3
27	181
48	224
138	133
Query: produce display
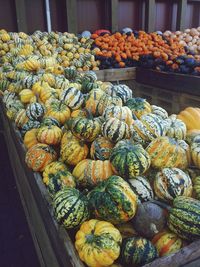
119	171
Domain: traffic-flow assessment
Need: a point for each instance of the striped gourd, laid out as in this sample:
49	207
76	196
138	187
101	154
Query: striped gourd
120	90
89	173
106	101
30	138
138	106
167	243
113	200
161	112
72	97
196	187
30	124
101	148
21	118
115	130
121	113
46	121
70	207
167	152
35	111
148	128
195	152
191	134
177	128
141	188
137	251
50	135
93	99
70	73
172	182
129	160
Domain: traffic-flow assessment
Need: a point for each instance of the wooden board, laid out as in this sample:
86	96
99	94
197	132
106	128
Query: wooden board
111	75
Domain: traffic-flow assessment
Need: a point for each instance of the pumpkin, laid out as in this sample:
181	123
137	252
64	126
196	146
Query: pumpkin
177	128
101	148
59	111
167	152
141	188
50	135
158	111
191	117
137	251
115	130
73	150
172	182
35	111
191	134
113	200
167	243
121	113
148	128
21	118
98	243
72	97
120	90
138	106
149	219
30	138
70	207
90	172
129	160
39	156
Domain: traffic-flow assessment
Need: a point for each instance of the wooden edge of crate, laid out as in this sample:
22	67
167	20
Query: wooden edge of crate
111	75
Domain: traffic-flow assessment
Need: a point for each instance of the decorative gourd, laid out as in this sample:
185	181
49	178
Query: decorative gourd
121	113
35	111
59	111
53	168
98	243
72	97
137	251
115	130
106	101
138	106
149	219
101	148
142	188
50	135
120	90
113	200
91	172
79	113
167	243
195	148
30	124
191	134
70	207
27	96
70	73
167	152
161	112
93	99
196	187
73	150
126	230
177	128
39	156
148	128
21	118
47	121
184	217
13	108
191	117
30	138
129	160
172	182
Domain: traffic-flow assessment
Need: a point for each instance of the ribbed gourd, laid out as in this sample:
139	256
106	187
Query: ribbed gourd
177	128
101	148
35	111
72	97
120	90
138	106
121	113
50	135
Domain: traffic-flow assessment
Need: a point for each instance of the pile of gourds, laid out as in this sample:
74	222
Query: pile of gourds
106	157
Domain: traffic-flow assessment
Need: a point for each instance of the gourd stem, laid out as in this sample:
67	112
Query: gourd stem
88	114
161	204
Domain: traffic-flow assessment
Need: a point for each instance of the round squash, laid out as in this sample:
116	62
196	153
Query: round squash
30	138
121	113
191	134
172	182
72	97
47	121
120	90
195	148
113	200
35	111
21	118
191	117
98	243
50	135
39	156
89	173
129	160
177	128
70	207
138	106
30	124
137	251
161	112
101	148
106	101
196	187
93	99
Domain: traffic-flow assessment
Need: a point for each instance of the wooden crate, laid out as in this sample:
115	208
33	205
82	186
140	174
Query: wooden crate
113	75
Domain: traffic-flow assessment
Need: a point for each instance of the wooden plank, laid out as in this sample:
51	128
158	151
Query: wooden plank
21	16
114	15
181	14
111	75
72	15
150	15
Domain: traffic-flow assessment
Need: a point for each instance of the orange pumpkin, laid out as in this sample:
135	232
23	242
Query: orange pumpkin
191	117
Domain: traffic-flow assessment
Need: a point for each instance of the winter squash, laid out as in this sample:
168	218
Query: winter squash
47	121
172	182
98	243
39	156
138	106
106	101
137	251
93	99
120	90
53	168
89	173
115	130
26	96
30	138
129	160
167	243
121	113
195	148
58	110
50	135
30	124
72	97
191	117
35	111
177	128
21	118
161	112
113	200
191	134
101	148
196	187
70	207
